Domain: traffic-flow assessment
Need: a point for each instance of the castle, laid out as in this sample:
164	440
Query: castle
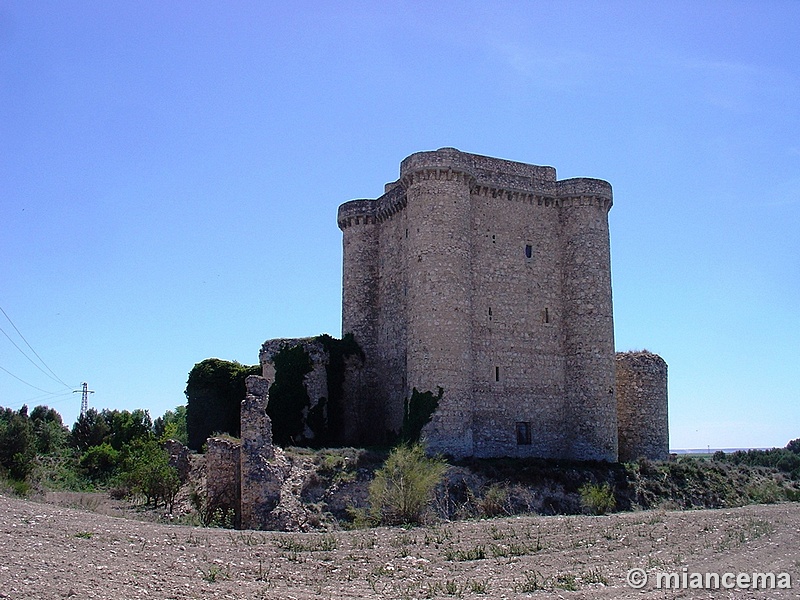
490	280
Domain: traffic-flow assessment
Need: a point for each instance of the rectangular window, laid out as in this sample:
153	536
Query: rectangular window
523	433
497	373
528	250
546	315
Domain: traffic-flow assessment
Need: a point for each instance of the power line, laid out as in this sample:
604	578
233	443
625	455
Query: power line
25	382
52	375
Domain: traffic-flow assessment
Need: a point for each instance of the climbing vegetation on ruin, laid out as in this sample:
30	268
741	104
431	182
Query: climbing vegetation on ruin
329	425
288	398
214	393
417	412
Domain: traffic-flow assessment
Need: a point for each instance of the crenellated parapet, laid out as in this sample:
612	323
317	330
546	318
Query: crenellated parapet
356	212
584	191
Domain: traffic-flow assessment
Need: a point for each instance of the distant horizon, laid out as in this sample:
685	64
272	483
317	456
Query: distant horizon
725	450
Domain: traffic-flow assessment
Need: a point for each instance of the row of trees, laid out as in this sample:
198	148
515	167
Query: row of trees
109	448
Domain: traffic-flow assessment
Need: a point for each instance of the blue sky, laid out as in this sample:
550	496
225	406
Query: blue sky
170	174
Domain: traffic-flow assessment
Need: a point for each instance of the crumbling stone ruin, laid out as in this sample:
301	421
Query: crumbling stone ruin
642	406
251	479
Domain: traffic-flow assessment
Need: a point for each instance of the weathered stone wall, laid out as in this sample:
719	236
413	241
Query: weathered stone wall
263	467
315	382
642	406
491	279
223	475
588	320
178	458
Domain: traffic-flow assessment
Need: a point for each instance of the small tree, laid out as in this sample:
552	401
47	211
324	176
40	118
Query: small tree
17	443
403	488
146	472
172	425
89	430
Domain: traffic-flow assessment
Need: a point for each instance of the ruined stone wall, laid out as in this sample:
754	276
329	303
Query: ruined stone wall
223	474
315	382
642	406
263	467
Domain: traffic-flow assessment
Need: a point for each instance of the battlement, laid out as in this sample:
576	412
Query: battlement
484	176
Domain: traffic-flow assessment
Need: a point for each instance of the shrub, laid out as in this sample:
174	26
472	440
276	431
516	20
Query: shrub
100	462
146	472
494	501
403	488
597	499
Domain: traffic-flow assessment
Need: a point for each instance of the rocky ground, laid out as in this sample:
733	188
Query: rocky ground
50	551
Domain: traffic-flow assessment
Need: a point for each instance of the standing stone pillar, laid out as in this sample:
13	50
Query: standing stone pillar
262	472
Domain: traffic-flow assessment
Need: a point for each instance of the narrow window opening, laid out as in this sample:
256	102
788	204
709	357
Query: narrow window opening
497	373
490	313
528	250
523	433
494	238
546	315
406	232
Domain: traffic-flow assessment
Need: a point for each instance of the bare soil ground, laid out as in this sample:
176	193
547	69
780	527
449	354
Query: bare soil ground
50	551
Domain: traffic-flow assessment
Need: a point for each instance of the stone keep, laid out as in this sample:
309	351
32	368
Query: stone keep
490	279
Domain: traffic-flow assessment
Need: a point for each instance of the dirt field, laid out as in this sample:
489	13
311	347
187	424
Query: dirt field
48	551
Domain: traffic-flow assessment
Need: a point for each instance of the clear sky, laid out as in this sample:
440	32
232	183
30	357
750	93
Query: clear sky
170	174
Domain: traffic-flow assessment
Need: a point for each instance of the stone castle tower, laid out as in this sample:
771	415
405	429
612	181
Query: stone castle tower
491	280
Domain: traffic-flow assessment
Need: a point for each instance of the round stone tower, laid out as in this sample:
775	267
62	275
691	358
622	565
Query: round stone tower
591	411
358	223
642	406
439	352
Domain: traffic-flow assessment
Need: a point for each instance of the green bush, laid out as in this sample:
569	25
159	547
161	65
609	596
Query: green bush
146	472
403	488
100	462
597	499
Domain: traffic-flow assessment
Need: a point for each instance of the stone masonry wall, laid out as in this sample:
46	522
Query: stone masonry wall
223	475
263	467
491	279
315	382
642	406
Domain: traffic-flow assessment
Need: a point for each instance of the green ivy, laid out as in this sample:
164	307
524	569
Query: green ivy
288	397
417	412
338	351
